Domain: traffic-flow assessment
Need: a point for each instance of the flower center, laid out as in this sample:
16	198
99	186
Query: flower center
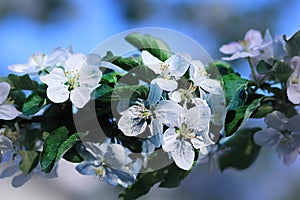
186	132
100	171
164	67
287	142
144	112
72	79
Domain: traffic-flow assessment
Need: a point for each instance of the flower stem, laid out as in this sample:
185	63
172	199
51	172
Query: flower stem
252	69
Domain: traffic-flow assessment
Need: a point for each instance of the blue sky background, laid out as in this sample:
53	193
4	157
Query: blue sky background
85	24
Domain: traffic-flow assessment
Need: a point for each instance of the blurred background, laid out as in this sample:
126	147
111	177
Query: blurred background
30	26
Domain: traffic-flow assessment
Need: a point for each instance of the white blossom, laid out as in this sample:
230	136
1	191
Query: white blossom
283	134
7	109
169	71
250	46
76	81
40	61
187	129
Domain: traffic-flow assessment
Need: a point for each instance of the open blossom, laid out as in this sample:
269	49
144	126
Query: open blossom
40	61
76	80
106	161
293	90
187	129
7	110
249	47
134	119
283	134
169	71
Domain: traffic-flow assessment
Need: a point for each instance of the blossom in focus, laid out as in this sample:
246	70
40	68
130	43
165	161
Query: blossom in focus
134	119
40	61
76	80
7	110
187	129
106	161
293	90
169	71
250	46
283	134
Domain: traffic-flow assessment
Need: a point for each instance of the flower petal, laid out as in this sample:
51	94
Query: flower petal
268	137
183	155
231	48
254	37
198	117
276	120
151	62
169	113
293	124
293	93
178	64
56	77
75	62
20	180
4	91
169	140
8	112
114	155
130	124
290	158
58	93
165	84
154	94
80	96
90	76
86	168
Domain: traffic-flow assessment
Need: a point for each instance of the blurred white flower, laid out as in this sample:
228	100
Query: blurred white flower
169	71
7	110
40	61
187	129
293	90
106	161
283	134
249	47
76	80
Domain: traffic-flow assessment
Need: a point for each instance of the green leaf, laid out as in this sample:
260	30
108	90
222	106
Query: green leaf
67	145
51	146
282	71
174	177
239	151
263	67
235	90
21	82
102	90
111	77
29	161
155	46
237	118
223	68
293	44
143	184
124	63
33	104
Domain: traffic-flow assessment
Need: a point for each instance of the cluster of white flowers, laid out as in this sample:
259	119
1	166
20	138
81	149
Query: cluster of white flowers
177	118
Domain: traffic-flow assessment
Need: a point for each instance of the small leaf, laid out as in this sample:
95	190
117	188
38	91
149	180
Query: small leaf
22	82
235	119
235	90
282	71
263	67
29	161
124	63
51	146
155	46
239	151
67	145
102	90
293	45
223	68
33	104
